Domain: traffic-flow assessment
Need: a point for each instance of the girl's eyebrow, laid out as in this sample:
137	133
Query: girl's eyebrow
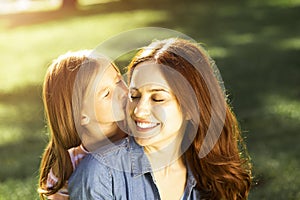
102	90
105	88
117	76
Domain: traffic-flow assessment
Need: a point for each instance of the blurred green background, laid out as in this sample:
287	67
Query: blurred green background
256	45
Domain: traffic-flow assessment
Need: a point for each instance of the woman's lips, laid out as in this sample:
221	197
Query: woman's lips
145	126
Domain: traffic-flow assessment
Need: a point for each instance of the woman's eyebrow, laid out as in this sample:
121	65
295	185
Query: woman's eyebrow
159	90
151	90
133	88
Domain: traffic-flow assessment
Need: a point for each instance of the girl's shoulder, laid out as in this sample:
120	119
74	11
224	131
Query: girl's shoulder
77	154
117	148
115	156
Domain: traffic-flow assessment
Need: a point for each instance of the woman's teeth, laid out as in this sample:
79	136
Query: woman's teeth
146	124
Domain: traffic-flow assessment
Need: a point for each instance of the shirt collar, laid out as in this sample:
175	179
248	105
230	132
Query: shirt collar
140	163
191	181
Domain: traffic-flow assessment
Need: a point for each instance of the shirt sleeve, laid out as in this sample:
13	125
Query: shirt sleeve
91	180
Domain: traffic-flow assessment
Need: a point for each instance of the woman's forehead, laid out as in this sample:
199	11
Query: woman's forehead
148	74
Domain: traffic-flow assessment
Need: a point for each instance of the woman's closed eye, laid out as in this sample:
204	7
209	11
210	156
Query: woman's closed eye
159	98
134	94
131	96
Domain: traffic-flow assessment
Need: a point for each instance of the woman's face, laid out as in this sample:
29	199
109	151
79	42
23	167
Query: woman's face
154	115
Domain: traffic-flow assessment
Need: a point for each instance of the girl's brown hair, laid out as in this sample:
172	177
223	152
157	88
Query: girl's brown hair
225	172
63	92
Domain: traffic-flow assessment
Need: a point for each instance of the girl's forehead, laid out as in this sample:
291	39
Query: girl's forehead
106	76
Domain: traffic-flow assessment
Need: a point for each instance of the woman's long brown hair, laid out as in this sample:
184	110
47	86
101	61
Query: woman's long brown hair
62	84
225	172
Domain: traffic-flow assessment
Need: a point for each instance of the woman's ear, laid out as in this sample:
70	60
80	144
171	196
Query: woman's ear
85	120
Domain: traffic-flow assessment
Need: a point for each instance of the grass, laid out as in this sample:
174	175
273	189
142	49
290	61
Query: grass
256	47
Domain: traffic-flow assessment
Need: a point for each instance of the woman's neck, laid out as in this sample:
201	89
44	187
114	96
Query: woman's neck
163	156
174	173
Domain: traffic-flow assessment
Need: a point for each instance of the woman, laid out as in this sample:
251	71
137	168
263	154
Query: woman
187	143
84	97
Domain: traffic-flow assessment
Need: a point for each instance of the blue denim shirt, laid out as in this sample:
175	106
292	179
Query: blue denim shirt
120	171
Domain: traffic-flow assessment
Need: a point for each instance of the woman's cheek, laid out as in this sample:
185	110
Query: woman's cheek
160	113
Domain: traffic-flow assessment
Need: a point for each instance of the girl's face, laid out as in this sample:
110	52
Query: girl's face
105	102
154	115
110	97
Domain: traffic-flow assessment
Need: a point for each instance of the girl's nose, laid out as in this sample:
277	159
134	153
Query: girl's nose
123	90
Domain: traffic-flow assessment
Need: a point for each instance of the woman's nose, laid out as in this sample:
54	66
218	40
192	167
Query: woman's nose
142	109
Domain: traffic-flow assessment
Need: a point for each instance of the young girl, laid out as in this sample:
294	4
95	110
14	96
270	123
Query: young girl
84	97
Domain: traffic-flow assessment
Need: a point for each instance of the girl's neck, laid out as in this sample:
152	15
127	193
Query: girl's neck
93	139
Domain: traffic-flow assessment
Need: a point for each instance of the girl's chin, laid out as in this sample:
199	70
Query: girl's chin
119	118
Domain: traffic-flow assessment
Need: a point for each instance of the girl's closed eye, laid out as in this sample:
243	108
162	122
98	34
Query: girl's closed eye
119	79
106	93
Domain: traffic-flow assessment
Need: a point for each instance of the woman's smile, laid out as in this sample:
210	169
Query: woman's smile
144	126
